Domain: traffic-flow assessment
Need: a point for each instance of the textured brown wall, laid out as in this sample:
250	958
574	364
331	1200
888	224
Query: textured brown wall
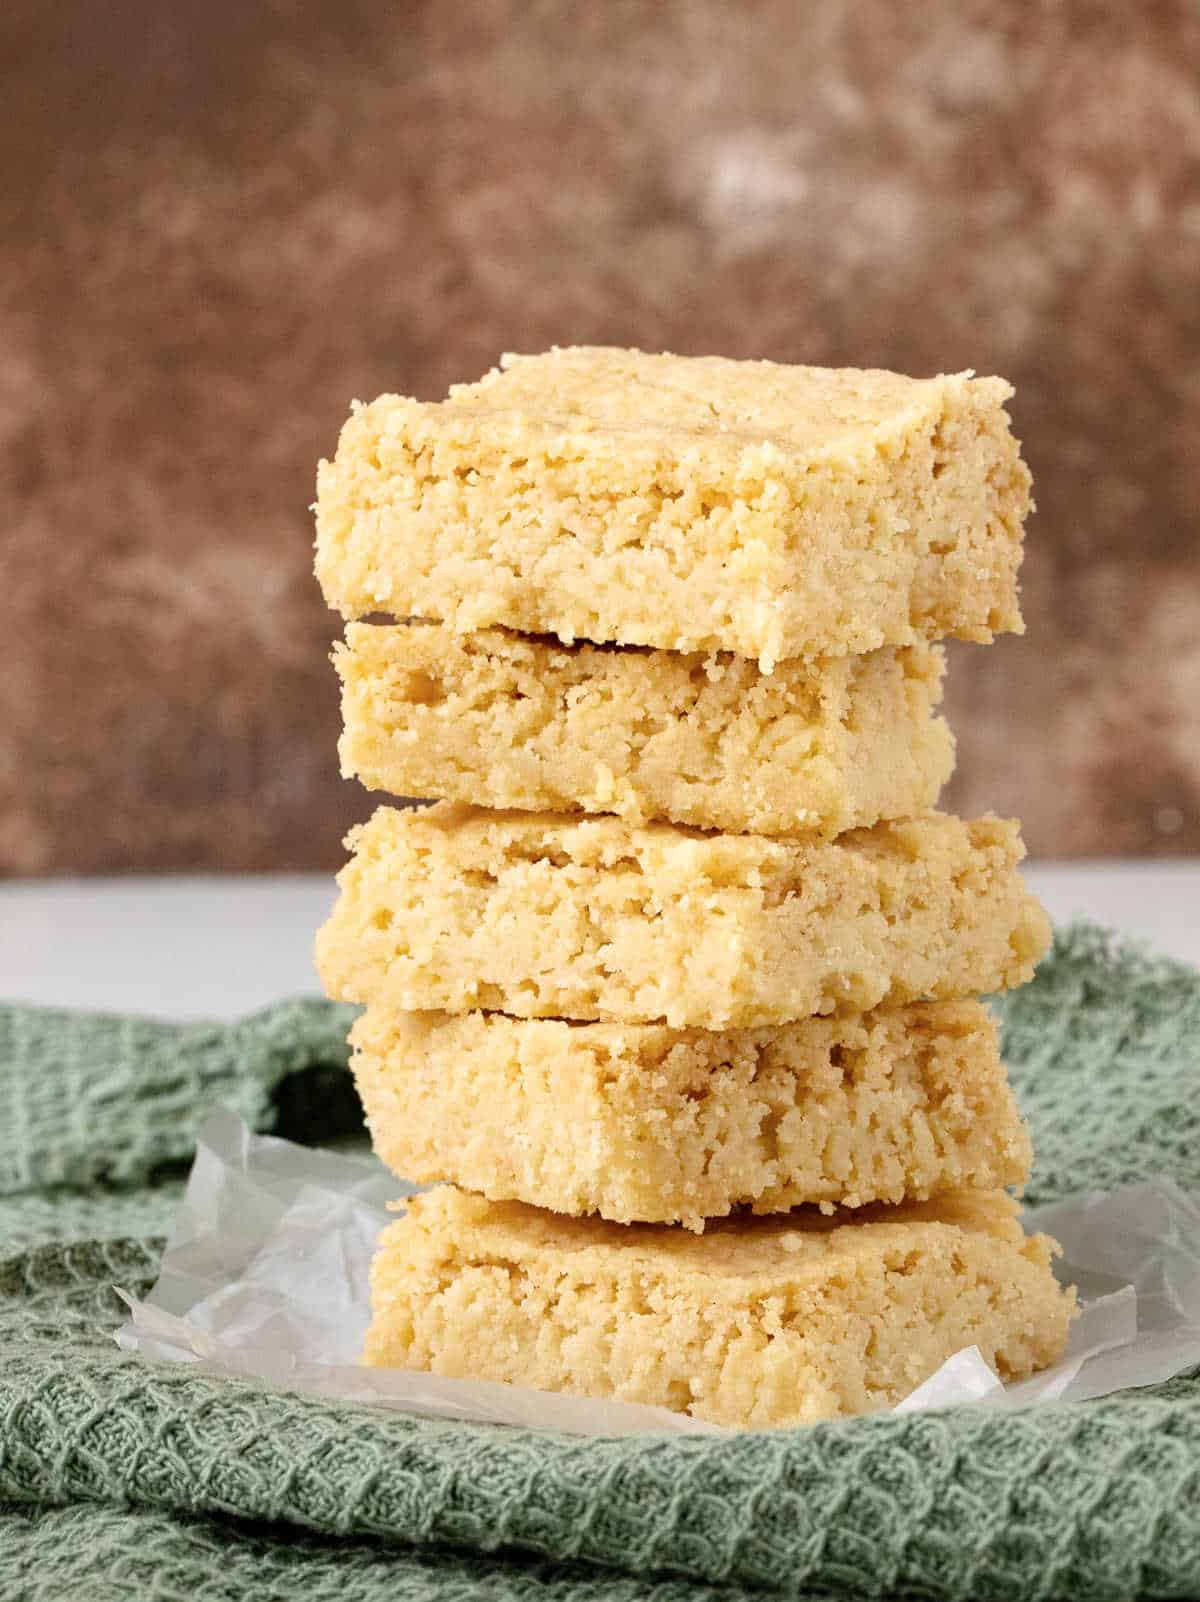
224	221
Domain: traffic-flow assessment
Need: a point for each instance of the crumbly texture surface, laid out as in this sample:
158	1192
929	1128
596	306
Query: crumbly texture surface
639	1122
696	504
452	908
509	722
757	1323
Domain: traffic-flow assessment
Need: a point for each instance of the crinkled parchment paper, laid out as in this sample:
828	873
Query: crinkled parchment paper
265	1277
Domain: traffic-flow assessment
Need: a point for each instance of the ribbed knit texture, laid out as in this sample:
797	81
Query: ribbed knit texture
122	1478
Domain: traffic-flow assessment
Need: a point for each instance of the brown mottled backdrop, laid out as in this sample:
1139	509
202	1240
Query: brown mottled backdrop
223	221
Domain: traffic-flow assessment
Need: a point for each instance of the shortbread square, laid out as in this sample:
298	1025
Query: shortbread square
509	722
758	1323
453	908
641	1123
689	503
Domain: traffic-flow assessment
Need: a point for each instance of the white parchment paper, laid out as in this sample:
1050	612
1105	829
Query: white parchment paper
265	1277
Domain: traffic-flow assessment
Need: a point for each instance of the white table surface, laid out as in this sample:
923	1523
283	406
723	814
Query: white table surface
216	947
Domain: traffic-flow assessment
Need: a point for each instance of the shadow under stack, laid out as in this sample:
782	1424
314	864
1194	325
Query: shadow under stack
676	989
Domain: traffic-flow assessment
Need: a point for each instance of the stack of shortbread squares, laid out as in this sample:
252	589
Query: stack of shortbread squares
675	990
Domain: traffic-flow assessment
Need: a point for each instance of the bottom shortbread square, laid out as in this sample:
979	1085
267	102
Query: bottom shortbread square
758	1323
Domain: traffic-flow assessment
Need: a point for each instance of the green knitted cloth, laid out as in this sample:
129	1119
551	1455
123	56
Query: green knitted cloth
121	1478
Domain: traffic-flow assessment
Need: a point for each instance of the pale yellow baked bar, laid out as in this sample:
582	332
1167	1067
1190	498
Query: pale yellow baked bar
451	908
639	1122
505	721
696	504
757	1323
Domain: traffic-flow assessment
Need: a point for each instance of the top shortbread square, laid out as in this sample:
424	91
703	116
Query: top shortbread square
688	503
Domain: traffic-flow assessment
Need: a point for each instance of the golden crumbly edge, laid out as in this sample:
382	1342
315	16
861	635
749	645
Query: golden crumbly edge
508	722
758	1323
641	1123
694	504
456	909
